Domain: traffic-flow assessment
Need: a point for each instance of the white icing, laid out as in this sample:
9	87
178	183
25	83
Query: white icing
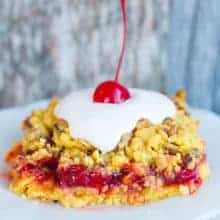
103	124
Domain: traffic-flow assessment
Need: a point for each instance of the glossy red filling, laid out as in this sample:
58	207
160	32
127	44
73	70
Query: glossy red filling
183	177
80	175
42	170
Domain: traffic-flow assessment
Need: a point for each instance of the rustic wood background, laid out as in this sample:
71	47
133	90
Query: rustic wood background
194	51
50	47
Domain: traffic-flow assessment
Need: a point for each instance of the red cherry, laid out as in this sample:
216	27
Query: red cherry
111	92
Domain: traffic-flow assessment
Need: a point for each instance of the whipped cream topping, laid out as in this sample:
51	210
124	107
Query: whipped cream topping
103	124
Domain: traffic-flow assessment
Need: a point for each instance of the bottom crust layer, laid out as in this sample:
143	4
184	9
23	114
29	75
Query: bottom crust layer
82	196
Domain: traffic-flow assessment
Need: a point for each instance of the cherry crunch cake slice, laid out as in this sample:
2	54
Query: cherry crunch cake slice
153	162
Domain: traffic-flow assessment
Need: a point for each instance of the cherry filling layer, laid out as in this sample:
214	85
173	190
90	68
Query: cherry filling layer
81	176
42	170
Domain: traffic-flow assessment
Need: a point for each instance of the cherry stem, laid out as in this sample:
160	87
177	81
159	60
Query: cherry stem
123	9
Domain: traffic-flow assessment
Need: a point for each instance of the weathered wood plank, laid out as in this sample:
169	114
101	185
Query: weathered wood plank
194	51
216	88
181	18
204	54
51	47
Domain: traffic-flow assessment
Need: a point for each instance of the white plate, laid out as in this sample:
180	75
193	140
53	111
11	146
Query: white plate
201	206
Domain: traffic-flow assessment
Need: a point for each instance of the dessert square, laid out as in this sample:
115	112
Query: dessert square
151	162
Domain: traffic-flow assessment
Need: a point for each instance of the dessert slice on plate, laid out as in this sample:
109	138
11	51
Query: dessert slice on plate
79	152
114	146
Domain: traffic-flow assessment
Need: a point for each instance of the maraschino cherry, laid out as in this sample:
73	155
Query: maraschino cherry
112	91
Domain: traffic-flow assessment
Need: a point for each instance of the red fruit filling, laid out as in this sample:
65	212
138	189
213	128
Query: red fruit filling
37	171
183	177
80	175
186	175
42	170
